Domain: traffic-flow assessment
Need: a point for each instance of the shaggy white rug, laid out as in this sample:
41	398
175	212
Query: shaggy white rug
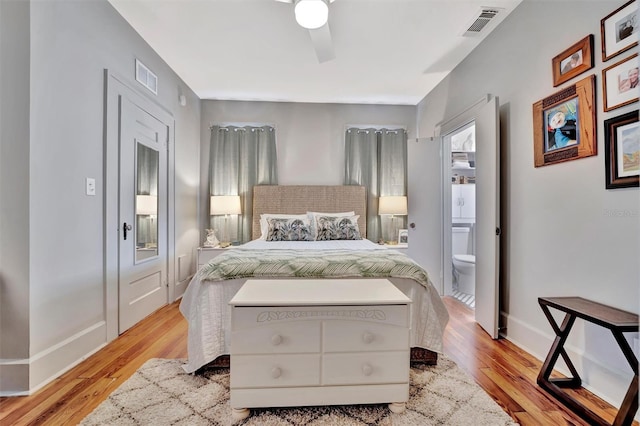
161	393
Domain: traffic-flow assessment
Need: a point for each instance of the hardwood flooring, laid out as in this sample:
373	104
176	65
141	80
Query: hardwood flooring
506	372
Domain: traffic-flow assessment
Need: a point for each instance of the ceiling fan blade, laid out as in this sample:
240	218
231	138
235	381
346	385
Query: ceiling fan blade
322	43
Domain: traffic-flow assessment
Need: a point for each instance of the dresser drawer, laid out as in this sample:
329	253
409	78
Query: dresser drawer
288	337
255	371
365	368
358	336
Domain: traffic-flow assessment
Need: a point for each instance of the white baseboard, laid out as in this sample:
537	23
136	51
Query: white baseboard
29	375
609	385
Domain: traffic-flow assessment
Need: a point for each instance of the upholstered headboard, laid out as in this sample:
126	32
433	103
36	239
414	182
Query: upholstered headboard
299	199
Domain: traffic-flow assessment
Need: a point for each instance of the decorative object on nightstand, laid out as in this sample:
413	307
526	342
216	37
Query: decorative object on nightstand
225	205
212	240
395	205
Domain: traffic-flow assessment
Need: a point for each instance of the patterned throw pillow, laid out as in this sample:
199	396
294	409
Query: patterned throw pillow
281	229
337	228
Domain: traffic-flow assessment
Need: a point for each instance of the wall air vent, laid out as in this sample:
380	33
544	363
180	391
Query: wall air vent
147	78
480	21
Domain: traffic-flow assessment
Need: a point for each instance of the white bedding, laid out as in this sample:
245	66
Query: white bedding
312	245
205	305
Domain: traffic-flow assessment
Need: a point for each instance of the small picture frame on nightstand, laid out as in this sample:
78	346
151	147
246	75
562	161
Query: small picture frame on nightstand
403	236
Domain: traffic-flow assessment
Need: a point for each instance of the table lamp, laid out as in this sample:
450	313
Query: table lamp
395	205
225	205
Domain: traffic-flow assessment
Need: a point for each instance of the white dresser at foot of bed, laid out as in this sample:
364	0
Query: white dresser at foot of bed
319	342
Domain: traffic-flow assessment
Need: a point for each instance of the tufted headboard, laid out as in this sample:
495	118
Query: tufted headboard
298	199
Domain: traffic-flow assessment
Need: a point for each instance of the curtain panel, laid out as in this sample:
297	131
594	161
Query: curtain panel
377	160
240	157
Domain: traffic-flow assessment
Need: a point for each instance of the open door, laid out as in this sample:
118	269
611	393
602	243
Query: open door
487	216
425	206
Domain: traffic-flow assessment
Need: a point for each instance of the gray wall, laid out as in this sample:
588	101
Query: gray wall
14	188
72	42
564	234
309	137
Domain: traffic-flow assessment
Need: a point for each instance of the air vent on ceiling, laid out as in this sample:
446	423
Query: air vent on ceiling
480	22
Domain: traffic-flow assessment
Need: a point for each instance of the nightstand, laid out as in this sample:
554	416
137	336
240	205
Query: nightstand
205	254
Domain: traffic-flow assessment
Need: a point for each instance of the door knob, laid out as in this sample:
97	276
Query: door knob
125	228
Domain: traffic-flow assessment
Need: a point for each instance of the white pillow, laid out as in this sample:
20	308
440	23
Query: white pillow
341	214
264	226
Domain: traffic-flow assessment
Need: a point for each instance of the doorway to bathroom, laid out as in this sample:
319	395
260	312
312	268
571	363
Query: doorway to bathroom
460	167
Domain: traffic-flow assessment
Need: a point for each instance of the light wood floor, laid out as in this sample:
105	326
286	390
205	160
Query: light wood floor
506	373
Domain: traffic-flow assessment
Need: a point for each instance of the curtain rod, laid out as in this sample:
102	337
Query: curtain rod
242	129
378	131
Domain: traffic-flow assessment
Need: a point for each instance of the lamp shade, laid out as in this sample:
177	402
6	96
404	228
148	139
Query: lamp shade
225	204
311	14
396	205
146	204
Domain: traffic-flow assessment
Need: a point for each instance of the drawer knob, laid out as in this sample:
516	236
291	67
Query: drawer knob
276	372
368	337
276	339
367	369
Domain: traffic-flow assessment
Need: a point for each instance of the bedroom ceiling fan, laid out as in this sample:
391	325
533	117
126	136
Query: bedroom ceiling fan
313	15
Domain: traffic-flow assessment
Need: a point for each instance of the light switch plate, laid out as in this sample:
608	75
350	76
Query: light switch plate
91	186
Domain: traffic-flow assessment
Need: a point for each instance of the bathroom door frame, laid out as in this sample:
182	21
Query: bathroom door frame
488	238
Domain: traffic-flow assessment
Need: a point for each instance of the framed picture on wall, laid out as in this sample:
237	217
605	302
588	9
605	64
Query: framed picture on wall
622	151
620	83
564	124
573	61
618	29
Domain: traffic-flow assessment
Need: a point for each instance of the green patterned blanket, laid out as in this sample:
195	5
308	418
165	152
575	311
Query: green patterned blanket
247	263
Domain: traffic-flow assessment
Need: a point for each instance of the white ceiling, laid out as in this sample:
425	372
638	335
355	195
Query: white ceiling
387	51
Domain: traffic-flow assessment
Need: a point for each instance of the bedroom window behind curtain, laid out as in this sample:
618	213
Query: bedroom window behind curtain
377	160
241	157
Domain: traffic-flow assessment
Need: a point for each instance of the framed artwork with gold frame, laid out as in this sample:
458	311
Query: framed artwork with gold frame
564	124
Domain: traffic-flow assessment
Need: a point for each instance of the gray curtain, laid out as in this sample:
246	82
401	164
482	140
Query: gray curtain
241	157
377	160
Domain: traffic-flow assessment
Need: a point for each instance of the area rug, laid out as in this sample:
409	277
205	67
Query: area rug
161	393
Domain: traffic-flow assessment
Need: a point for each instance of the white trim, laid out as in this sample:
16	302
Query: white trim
48	364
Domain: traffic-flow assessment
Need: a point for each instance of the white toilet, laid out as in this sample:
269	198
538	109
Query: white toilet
464	264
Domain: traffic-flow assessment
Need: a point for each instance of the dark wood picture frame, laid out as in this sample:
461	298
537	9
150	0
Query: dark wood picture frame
574	136
623	127
573	61
620	83
617	29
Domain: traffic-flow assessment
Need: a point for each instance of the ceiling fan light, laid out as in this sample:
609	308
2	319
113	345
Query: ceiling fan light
311	14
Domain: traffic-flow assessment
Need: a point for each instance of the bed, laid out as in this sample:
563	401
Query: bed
205	302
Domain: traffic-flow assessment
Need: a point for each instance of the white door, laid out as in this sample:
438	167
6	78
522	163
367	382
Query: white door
487	216
142	214
425	206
